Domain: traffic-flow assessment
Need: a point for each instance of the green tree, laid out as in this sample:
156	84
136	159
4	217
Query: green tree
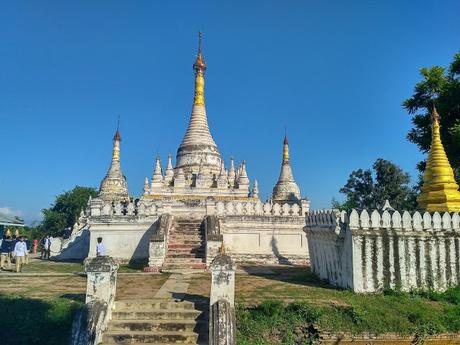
370	188
440	86
66	209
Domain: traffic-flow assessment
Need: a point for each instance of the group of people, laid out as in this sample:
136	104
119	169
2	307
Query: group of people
17	249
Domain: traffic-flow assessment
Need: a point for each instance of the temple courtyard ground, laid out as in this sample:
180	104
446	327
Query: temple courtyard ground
275	305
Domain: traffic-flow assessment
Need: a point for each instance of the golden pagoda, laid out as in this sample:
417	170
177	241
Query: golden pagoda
439	191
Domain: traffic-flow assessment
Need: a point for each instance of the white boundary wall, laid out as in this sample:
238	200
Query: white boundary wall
368	253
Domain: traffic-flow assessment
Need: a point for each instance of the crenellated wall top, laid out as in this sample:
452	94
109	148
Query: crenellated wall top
387	219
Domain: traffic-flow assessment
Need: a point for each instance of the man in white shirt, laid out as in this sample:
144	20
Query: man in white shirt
100	248
20	252
47	247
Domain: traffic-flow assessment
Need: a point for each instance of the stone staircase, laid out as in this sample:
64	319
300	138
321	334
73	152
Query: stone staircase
185	245
158	321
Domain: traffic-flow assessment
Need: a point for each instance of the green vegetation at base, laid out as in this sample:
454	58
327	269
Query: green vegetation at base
415	313
36	321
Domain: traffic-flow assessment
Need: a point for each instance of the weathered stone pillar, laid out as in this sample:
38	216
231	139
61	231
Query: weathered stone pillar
214	238
91	320
157	253
101	282
222	312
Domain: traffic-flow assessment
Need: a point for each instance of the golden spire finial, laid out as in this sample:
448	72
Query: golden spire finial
440	190
199	66
116	142
286	147
117	135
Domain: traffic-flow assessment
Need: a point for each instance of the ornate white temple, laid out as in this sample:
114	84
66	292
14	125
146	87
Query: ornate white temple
189	210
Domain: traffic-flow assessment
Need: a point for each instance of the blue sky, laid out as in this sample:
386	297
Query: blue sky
334	72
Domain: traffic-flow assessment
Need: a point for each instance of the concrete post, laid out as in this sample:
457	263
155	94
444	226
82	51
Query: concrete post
91	320
222	300
101	282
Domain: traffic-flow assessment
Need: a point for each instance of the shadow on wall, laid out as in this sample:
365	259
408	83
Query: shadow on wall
281	259
77	250
142	250
33	322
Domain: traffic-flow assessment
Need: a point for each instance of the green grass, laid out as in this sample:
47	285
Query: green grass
53	267
36	321
45	266
416	313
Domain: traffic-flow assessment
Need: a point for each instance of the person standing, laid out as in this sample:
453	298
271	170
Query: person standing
20	252
47	247
27	242
5	251
100	248
35	246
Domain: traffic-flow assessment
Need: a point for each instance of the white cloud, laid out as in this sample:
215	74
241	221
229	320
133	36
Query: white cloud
11	211
29	217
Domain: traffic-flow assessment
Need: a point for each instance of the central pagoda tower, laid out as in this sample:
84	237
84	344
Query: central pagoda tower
198	151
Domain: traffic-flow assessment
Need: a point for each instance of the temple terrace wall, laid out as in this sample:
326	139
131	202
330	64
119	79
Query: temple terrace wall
370	252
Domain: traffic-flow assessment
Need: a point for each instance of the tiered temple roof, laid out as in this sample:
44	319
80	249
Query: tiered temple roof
200	171
198	148
113	186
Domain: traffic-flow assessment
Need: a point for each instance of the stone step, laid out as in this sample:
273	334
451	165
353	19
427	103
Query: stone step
186	252
159	325
183	266
186	226
128	337
184	255
180	246
189	243
186	235
185	231
187	221
187	260
176	314
160	304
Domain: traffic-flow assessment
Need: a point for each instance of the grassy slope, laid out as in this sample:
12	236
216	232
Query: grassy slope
292	306
33	321
38	309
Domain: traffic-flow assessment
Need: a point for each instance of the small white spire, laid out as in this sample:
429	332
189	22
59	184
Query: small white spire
243	180
169	173
231	173
222	180
146	186
157	178
255	190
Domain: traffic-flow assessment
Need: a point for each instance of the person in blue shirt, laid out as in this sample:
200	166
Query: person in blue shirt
5	252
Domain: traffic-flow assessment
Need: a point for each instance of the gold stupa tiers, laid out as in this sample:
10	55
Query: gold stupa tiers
439	191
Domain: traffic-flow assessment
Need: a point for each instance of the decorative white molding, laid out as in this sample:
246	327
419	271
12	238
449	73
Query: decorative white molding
384	249
242	208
